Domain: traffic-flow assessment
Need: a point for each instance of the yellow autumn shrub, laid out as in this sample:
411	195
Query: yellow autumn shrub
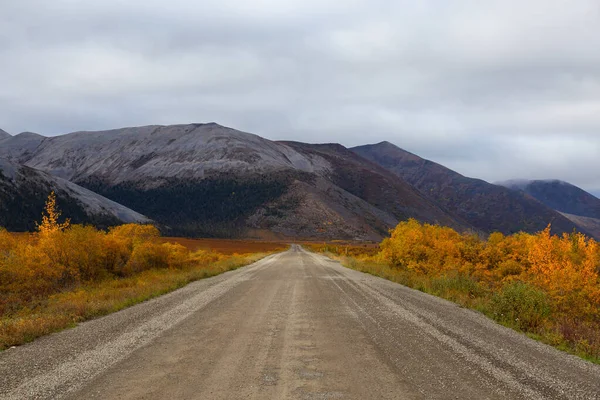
541	283
566	267
61	257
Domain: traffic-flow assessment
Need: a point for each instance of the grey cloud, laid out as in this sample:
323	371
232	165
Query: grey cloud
495	89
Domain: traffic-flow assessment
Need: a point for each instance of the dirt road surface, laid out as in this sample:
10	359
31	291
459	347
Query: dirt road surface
295	325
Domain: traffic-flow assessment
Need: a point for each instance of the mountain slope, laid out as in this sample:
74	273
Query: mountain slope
485	206
152	155
18	148
23	192
573	202
209	180
377	186
559	195
4	134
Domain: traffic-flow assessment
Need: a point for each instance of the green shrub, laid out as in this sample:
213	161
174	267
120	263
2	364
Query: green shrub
456	283
521	305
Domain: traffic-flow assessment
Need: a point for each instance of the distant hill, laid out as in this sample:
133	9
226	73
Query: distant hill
4	134
559	195
209	180
575	203
24	190
486	206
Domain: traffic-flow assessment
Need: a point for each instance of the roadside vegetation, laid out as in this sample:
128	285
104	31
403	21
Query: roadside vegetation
544	285
64	274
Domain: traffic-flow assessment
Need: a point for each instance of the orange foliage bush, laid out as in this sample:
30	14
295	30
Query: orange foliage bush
564	267
65	273
540	283
60	260
61	257
567	269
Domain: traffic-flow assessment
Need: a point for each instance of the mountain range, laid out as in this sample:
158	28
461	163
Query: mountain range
210	180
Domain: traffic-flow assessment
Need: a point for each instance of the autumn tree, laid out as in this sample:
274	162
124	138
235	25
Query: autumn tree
50	217
566	268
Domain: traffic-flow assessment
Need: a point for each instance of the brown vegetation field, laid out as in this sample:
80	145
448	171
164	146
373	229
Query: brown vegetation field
227	246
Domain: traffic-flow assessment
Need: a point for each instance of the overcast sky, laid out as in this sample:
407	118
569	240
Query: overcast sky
493	89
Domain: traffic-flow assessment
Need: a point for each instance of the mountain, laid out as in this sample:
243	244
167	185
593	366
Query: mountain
590	225
153	155
559	195
19	147
485	206
4	134
24	190
209	180
573	202
377	186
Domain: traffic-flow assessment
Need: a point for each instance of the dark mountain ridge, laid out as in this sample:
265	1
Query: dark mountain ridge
559	195
486	206
571	201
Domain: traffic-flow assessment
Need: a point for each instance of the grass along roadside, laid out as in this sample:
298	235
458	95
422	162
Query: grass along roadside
227	246
516	305
66	309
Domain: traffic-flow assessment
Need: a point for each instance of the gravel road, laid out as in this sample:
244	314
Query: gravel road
295	325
